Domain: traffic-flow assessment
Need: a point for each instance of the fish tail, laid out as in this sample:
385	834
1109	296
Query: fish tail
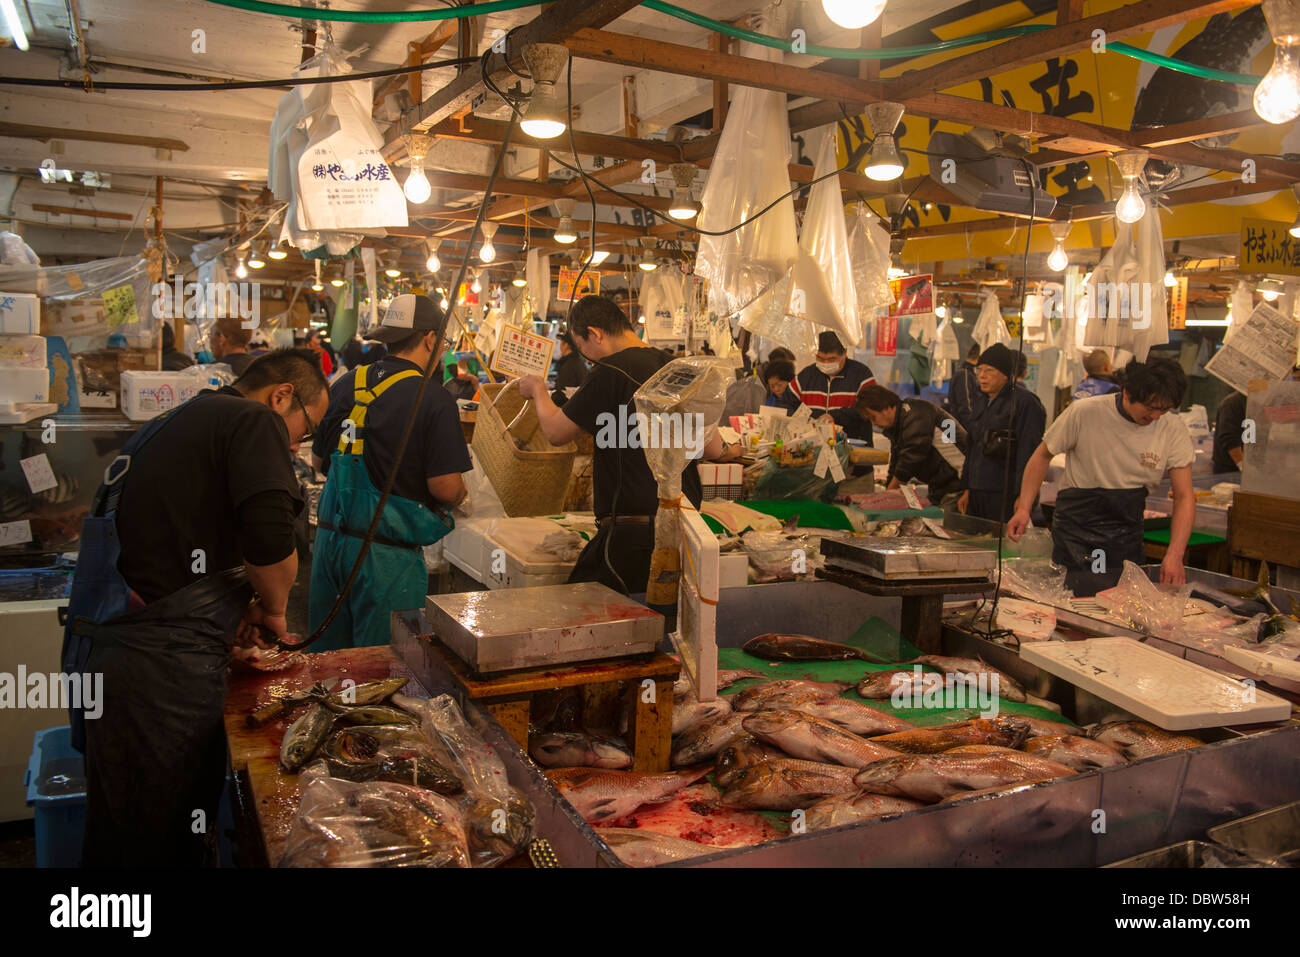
867	656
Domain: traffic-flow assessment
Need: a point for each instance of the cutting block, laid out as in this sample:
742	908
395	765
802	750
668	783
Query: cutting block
514	628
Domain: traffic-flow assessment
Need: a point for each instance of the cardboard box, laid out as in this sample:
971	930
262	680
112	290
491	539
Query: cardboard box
25	385
20	314
145	394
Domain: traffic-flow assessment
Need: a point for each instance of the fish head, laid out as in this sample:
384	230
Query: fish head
883	771
771	722
607	751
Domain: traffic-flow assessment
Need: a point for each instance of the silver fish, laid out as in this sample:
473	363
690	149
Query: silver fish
755	698
689	711
706	739
743	752
841	809
783	784
804	736
1008	687
638	848
567	749
304	736
1137	739
933	777
848	714
600	795
1082	754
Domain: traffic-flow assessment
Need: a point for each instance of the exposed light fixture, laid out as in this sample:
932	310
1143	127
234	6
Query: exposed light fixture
1270	289
1170	279
1058	258
543	119
256	258
884	163
14	23
280	250
521	277
648	246
896	273
596	258
433	263
241	271
316	286
640	320
957	320
1295	226
565	233
1130	207
487	252
682	206
416	187
1277	97
392	272
338	280
941	311
477	286
853	14
443	304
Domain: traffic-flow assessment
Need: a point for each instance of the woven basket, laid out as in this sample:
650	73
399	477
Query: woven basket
531	480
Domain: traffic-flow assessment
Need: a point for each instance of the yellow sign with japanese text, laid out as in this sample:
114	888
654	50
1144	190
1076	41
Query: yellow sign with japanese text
1268	247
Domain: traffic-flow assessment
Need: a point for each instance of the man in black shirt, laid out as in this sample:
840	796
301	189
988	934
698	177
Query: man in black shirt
230	344
965	400
624	490
910	426
1228	448
197	515
570	370
357	449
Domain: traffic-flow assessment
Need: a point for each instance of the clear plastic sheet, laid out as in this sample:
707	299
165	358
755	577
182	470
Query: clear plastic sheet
830	299
1154	609
125	279
990	327
800	481
372	824
869	255
1037	580
783	556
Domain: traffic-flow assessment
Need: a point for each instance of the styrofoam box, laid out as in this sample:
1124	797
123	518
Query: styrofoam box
20	314
22	352
145	394
518	572
25	385
733	570
465	546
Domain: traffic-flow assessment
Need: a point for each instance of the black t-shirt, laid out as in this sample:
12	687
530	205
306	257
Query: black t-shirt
187	483
618	468
437	445
1227	431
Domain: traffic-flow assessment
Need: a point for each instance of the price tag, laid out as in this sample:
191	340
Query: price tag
522	353
40	476
837	470
823	465
15	533
909	496
935	527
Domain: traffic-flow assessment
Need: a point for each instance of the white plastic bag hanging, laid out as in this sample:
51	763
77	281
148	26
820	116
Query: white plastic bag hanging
1115	293
1152	327
538	272
869	255
662	299
1243	304
990	326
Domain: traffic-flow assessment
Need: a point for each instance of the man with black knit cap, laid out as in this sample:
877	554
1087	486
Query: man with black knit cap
1003	435
831	385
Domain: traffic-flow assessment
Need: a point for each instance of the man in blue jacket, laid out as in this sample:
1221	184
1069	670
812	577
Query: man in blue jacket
1002	438
1100	380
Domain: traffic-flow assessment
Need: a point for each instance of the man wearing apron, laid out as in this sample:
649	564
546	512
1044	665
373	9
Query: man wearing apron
1117	449
357	449
195	516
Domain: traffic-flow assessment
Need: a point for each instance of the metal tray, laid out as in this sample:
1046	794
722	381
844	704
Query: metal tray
910	558
1188	854
1272	836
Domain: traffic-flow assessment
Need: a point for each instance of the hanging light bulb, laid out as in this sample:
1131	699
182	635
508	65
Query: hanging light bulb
941	311
1270	289
648	245
416	187
1130	207
443	304
853	14
433	263
255	257
280	250
487	252
316	285
957	320
1295	226
1058	258
884	163
241	271
338	280
682	206
521	277
565	233
392	272
477	287
1170	279
1277	97
543	119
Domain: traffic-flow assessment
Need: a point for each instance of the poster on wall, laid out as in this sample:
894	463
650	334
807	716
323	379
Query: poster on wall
887	336
1268	247
913	295
568	277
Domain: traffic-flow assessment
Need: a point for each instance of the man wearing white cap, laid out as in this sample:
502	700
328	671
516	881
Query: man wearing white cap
356	446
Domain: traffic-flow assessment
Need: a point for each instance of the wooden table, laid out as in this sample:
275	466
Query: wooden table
921	616
508	698
266	797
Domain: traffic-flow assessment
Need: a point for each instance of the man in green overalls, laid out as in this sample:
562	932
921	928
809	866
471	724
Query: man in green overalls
356	446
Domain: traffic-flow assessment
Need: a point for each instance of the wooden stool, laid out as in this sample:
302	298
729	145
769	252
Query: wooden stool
509	697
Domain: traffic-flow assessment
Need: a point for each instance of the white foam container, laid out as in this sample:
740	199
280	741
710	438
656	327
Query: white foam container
696	637
20	314
145	394
1170	692
519	572
19	386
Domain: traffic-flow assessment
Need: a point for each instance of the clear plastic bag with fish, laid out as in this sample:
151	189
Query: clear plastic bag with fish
373	824
1151	608
1036	580
801	481
499	819
782	556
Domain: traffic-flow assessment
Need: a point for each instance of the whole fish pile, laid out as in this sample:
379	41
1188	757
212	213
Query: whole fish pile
354	705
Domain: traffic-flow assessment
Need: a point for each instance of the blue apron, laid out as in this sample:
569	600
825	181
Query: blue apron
393	576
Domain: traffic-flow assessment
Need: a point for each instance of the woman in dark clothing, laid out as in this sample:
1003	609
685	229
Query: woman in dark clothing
570	370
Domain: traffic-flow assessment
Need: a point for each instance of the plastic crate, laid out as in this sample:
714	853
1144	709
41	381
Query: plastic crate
56	789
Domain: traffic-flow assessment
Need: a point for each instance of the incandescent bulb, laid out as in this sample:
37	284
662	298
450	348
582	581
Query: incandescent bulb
1295	228
433	264
957	319
884	163
941	311
853	14
241	271
417	188
648	265
477	287
1058	258
1277	98
487	252
1131	207
542	119
1170	280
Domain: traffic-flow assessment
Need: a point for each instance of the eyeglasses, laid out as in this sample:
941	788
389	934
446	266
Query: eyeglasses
311	426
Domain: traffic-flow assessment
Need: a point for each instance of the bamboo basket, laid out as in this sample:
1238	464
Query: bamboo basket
531	476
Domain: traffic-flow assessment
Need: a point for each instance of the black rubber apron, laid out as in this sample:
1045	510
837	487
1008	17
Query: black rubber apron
1087	520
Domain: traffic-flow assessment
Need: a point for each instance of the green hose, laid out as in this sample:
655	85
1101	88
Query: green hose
717	26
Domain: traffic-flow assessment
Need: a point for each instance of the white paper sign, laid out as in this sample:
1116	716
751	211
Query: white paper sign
1262	347
40	476
823	462
909	496
837	470
935	527
522	353
15	533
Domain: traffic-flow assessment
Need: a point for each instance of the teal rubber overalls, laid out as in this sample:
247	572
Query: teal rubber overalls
393	576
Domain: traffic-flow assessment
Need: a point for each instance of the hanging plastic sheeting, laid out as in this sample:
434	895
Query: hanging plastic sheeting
1243	304
1068	368
15	252
746	267
1115	295
122	301
990	327
869	256
369	265
663	303
324	160
944	351
1151	328
538	272
1034	323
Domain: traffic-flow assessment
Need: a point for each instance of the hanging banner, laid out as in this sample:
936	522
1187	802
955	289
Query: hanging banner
522	353
887	336
590	284
1178	304
1268	247
913	295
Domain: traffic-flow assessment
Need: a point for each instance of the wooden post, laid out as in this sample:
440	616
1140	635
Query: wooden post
719	43
872	36
630	121
415	81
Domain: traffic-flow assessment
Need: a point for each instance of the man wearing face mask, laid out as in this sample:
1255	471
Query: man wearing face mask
831	386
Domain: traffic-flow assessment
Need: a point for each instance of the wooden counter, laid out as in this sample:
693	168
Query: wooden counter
266	797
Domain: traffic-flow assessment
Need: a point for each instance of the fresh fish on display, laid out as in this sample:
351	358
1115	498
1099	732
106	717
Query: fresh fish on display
578	749
998	789
1041	765
638	848
1008	687
783	784
851	715
882	684
1137	739
803	736
842	809
375	714
726	678
388	753
706	739
696	813
1005	731
776	647
368	692
600	795
304	736
1082	754
933	777
743	752
689	710
501	829
1039	727
755	698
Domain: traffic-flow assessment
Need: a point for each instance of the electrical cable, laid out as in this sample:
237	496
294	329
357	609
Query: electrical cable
361	16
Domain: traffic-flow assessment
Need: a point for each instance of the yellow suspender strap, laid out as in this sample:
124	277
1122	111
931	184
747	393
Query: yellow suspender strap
362	397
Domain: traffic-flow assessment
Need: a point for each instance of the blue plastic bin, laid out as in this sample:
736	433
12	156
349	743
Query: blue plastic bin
56	789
